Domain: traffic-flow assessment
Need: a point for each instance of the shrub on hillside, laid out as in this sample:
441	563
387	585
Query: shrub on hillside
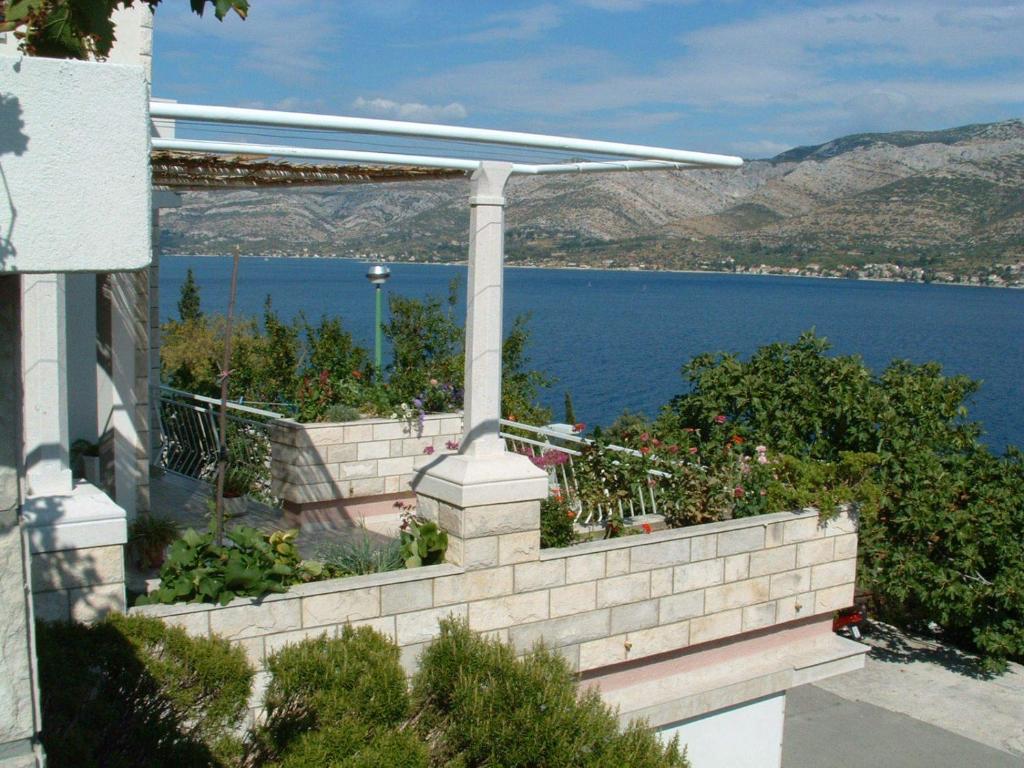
479	705
132	692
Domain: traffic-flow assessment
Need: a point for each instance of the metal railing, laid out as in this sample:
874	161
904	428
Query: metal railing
190	438
557	451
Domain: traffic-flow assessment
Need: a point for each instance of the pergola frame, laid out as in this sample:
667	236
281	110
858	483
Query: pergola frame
482	472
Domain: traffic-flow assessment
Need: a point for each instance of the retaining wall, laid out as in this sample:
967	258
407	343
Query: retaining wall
599	604
316	463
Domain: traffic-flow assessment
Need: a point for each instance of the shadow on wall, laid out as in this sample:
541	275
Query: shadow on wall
69	583
13	141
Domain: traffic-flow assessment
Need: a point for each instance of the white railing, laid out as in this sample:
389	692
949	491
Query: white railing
557	451
190	438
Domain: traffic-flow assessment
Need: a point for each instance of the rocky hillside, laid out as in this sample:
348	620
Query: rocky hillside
936	203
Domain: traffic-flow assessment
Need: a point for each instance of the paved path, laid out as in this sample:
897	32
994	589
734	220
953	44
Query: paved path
826	731
915	704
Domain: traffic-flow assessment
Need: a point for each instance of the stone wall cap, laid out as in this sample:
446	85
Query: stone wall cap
672	534
82	519
298	591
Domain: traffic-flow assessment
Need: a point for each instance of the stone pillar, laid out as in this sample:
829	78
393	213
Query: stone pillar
488	500
44	375
19	708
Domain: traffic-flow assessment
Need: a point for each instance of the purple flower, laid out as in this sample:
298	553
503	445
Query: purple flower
428	450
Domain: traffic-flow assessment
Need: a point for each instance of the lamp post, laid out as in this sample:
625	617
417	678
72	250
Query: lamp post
378	274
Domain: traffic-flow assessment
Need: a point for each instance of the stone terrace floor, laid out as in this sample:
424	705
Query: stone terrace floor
187	501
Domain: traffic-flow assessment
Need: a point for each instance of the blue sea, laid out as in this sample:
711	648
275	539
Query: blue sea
617	340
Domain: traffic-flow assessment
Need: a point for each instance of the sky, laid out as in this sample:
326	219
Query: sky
747	78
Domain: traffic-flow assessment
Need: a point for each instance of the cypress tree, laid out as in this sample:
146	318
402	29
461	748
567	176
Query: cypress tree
188	303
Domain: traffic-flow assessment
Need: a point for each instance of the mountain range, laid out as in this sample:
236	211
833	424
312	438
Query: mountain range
945	205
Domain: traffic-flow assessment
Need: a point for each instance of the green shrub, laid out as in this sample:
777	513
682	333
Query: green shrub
942	519
351	744
481	706
341	412
557	523
131	691
255	564
322	682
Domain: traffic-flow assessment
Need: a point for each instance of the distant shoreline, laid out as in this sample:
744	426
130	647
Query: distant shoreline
463	263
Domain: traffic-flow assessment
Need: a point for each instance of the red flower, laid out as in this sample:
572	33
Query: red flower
646	527
579	427
357	374
645	450
737	440
720	418
655	442
673	449
738	492
693	449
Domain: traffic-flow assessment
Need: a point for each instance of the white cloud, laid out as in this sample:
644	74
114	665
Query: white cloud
410	110
866	65
526	24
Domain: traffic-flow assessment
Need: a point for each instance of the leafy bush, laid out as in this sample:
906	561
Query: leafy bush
942	519
481	706
308	370
133	692
254	564
422	542
557	522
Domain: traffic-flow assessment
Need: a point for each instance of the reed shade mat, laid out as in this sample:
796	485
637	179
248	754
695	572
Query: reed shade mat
190	170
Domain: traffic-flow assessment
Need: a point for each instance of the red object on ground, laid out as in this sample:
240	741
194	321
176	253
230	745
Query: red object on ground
846	619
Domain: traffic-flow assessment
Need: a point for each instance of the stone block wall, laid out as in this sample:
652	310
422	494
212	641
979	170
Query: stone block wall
599	604
316	463
78	585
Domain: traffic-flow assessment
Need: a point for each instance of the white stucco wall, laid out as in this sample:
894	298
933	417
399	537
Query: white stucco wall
74	149
747	736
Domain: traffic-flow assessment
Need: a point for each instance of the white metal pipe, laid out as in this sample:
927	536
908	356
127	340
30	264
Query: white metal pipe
236	115
387	158
611	165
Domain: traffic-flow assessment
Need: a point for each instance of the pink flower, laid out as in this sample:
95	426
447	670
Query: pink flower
644	437
738	492
428	450
693	449
452	445
433	382
720	418
673	449
655	442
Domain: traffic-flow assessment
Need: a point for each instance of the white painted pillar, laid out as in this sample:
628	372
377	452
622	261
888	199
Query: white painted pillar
484	310
483	473
131	453
45	386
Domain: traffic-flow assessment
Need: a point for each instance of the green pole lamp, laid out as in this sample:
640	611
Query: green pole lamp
378	274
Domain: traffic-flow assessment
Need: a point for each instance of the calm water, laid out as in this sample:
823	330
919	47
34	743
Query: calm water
617	340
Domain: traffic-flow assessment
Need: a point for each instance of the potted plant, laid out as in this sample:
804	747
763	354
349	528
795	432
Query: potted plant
237	484
149	538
